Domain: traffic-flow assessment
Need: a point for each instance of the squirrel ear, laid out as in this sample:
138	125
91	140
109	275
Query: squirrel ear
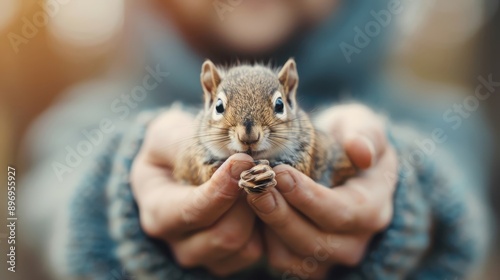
289	78
210	79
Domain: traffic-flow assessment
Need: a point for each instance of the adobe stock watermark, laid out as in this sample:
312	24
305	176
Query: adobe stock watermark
223	6
454	117
309	265
31	26
122	107
363	36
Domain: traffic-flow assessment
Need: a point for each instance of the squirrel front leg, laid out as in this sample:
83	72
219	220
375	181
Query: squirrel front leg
343	168
195	168
207	170
331	165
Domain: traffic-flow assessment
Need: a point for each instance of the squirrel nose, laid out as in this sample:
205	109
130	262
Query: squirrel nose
249	139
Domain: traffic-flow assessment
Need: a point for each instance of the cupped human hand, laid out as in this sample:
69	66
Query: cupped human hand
210	225
310	228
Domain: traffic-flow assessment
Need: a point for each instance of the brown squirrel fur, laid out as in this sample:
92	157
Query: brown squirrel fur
253	109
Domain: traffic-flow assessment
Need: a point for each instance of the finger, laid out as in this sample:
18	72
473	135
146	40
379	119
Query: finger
361	150
363	204
246	257
279	256
228	236
206	203
301	236
362	136
172	209
291	265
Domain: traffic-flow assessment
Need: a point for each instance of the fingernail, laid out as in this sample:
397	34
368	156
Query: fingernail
371	148
285	181
238	167
265	203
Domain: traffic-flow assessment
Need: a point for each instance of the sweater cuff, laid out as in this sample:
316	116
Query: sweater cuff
395	251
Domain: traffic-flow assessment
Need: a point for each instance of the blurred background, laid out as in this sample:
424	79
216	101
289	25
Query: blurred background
445	41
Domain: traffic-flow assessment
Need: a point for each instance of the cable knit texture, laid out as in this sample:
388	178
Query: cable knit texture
106	240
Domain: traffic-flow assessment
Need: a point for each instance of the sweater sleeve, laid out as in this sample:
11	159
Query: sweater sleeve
444	149
439	228
105	235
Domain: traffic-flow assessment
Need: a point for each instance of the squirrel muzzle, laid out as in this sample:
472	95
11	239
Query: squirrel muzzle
248	136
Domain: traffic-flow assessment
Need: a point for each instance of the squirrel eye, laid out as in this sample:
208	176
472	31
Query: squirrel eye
278	106
219	107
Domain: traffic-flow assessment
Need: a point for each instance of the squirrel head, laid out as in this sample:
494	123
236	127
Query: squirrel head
250	109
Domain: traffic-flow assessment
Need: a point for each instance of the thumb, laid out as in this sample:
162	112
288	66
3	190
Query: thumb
207	203
224	181
365	148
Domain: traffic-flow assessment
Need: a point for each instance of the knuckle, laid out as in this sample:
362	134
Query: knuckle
191	217
360	195
252	253
346	219
228	241
156	226
149	224
150	229
353	215
381	219
186	260
353	257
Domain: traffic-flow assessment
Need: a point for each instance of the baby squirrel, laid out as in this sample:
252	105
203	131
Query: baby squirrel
252	109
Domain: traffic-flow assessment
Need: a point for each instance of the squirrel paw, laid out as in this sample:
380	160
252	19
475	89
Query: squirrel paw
258	178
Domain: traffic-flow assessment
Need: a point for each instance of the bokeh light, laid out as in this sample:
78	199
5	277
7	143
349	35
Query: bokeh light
87	23
8	11
455	20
